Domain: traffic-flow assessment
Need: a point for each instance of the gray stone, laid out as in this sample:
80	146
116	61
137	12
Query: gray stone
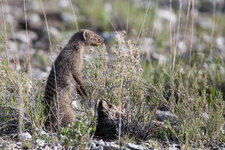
12	47
48	148
77	105
92	146
222	129
99	148
54	32
24	136
220	42
205	116
166	115
204	22
34	5
67	17
111	146
22	37
94	141
162	59
134	146
182	48
58	146
174	147
40	142
166	15
34	21
64	3
101	143
39	74
146	46
9	18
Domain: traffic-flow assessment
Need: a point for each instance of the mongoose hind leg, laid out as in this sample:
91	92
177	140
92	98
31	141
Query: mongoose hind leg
63	118
67	115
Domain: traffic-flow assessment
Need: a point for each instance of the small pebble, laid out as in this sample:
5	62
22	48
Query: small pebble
40	142
92	145
99	148
25	136
101	143
134	146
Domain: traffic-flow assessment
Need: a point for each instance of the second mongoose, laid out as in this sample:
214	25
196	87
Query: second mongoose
67	67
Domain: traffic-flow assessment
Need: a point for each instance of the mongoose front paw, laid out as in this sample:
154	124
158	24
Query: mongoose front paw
81	91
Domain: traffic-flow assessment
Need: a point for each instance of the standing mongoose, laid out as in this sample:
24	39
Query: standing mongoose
67	67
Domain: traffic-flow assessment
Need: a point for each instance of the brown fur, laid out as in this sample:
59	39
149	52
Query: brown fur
67	67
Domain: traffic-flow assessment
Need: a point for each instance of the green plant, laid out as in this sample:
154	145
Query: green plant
78	133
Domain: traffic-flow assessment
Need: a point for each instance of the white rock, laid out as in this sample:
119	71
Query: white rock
54	32
166	15
220	42
204	22
222	128
158	26
40	142
67	17
108	7
10	19
205	116
174	147
64	3
182	48
92	145
166	115
22	37
134	146
48	148
24	136
35	5
34	21
161	58
111	146
146	45
207	38
76	105
101	143
12	46
99	148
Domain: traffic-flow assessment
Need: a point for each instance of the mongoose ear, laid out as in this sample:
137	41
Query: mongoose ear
84	35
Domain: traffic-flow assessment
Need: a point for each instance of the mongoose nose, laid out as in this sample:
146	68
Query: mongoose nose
101	40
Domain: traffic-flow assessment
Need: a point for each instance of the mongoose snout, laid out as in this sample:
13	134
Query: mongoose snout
91	38
67	67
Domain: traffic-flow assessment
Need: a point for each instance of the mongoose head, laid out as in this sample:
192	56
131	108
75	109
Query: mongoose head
91	38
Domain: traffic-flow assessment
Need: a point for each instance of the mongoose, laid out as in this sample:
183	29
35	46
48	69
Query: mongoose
67	67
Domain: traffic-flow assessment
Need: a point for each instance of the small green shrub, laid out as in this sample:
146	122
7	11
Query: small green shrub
78	133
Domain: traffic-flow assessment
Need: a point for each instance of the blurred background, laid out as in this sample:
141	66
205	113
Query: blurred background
39	28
